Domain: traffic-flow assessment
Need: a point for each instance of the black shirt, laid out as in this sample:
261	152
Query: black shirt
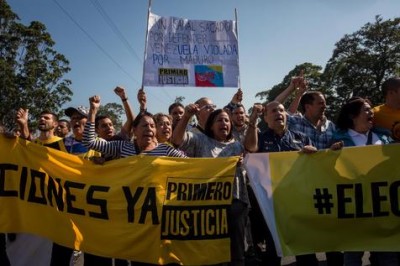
268	141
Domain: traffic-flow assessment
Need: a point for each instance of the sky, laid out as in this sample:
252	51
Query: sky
104	41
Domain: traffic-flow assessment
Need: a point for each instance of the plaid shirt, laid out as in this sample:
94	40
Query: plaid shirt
320	137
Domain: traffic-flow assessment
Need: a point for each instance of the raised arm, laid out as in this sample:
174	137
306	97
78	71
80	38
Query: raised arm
295	83
251	138
180	129
94	102
22	121
89	139
302	88
126	128
236	99
142	99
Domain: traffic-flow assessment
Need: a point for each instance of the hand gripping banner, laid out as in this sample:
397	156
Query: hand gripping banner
346	200
148	209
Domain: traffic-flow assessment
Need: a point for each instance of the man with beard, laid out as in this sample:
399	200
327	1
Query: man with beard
314	124
38	246
237	113
48	122
28	249
312	120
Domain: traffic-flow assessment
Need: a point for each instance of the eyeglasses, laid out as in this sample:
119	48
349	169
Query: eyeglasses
208	107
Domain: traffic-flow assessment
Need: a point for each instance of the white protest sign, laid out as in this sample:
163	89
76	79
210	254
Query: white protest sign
197	53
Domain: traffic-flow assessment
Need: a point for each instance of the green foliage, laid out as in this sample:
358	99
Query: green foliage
362	61
31	70
114	111
311	72
179	99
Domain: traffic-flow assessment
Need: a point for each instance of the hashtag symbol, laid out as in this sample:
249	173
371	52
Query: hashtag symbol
323	201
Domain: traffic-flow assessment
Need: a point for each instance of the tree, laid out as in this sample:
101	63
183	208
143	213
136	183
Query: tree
311	72
362	61
31	70
114	111
179	99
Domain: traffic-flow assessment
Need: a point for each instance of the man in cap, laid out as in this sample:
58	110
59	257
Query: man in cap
73	143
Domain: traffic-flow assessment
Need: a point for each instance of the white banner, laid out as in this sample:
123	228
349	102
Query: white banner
345	200
258	170
197	53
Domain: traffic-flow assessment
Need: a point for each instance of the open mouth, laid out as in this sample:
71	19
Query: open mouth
148	135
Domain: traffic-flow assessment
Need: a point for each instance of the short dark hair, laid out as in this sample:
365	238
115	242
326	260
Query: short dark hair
66	121
390	84
100	117
139	117
45	112
265	105
234	107
308	98
350	110
210	121
172	106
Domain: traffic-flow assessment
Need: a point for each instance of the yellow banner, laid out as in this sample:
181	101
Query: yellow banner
345	200
150	209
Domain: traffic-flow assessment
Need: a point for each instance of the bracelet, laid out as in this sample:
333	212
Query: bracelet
125	99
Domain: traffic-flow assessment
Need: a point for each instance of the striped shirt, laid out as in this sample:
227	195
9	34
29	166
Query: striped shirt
123	148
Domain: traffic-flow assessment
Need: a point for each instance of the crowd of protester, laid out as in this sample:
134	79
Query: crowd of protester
218	132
